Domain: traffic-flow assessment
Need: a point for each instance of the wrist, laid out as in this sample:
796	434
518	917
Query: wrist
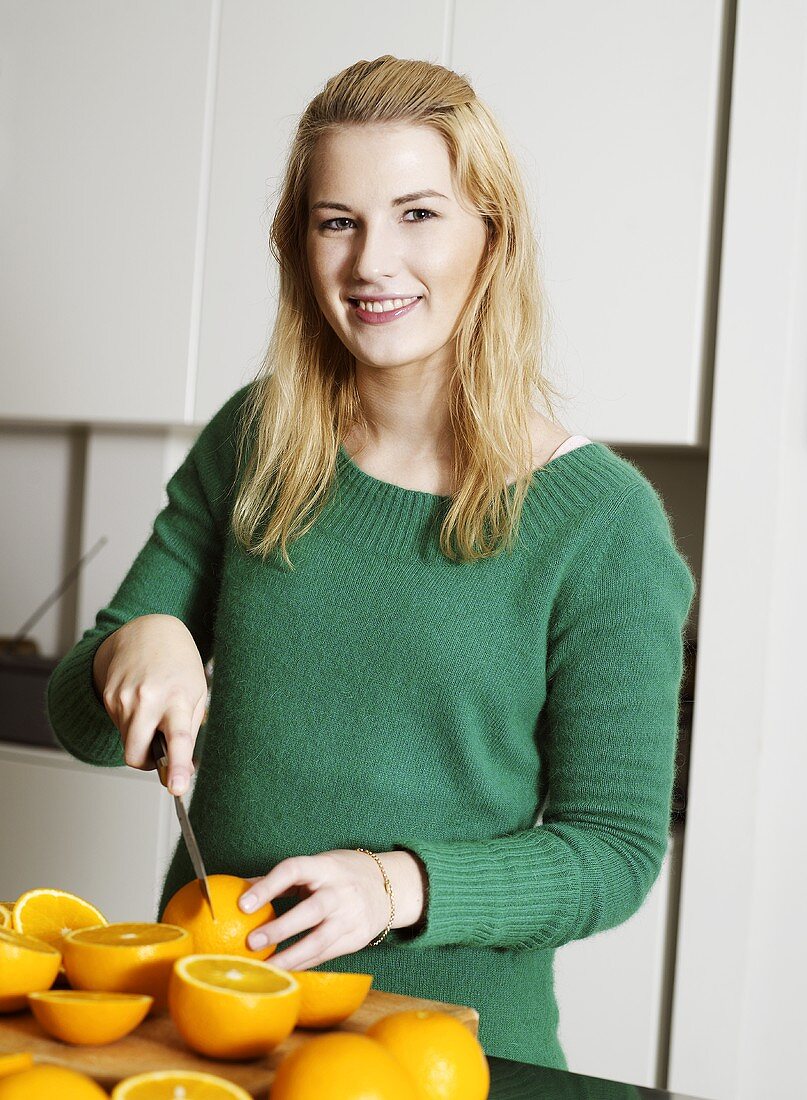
408	887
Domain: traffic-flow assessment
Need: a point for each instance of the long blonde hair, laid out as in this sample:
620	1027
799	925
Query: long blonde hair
304	399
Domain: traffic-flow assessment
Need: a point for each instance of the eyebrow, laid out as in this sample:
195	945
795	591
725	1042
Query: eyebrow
413	196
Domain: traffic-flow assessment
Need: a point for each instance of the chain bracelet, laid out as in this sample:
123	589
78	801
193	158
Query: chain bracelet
388	888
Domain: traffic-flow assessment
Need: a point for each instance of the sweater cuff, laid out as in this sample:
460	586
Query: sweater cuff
511	891
85	730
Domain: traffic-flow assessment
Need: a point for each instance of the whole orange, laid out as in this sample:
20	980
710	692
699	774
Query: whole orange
342	1066
440	1053
45	1082
227	934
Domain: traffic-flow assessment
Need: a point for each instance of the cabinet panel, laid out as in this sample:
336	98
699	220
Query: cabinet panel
612	988
612	110
102	833
101	126
273	58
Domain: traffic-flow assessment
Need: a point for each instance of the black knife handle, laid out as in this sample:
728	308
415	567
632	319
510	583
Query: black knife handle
159	750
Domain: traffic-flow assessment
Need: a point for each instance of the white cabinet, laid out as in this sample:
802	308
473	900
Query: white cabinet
613	110
105	834
102	111
613	988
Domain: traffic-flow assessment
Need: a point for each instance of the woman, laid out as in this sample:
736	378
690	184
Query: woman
433	615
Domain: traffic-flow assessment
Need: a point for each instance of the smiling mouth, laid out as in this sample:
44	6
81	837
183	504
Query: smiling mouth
380	313
385	305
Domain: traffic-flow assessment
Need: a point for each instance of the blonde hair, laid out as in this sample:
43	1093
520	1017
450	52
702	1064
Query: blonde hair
304	399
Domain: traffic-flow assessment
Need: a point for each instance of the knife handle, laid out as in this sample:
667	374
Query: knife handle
159	750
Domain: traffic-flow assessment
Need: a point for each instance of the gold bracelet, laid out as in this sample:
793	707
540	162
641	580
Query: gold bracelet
388	888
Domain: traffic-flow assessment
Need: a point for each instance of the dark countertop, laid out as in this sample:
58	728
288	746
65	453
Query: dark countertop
518	1081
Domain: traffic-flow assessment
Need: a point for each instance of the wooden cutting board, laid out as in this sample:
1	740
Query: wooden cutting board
156	1044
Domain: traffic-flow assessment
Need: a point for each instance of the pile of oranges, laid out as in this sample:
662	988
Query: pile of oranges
90	982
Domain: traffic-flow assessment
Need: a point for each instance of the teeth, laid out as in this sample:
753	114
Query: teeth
386	305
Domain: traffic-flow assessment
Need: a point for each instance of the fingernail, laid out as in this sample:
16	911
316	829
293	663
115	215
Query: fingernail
177	782
258	940
248	902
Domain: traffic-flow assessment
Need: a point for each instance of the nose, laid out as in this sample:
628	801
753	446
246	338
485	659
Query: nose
376	254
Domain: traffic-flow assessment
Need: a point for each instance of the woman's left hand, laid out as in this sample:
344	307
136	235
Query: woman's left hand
345	902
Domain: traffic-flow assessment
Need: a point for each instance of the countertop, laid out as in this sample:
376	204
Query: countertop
518	1081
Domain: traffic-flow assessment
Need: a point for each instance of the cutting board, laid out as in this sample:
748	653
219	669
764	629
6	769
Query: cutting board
156	1044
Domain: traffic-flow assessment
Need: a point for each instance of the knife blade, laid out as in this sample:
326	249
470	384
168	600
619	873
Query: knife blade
159	751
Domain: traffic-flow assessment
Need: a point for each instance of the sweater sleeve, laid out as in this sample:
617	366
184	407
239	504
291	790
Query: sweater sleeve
607	736
175	573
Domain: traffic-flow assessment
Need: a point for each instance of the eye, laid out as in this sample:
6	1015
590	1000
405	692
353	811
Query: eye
331	224
431	214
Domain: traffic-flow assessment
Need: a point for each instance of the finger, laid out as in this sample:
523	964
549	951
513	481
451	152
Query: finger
176	725
310	951
291	872
137	732
308	914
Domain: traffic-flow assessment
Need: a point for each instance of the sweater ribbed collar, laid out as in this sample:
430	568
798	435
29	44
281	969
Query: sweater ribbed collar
392	520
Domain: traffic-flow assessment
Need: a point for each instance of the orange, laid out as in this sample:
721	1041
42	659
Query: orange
442	1055
342	1066
166	1084
26	964
226	1006
227	934
126	957
87	1018
49	1082
329	997
48	914
13	1063
13	1004
5	913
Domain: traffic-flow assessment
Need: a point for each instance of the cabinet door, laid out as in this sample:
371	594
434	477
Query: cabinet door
613	111
273	58
613	989
102	113
103	833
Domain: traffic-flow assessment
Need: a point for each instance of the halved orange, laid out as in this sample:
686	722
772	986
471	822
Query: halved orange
328	997
231	1007
87	1018
13	1063
5	914
167	1084
26	964
45	1082
49	914
125	957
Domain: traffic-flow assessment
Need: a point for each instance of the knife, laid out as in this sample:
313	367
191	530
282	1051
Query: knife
159	750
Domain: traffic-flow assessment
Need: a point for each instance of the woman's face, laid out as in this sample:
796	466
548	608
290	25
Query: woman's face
370	236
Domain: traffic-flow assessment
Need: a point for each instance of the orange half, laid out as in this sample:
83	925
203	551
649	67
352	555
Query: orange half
86	1018
26	964
125	957
50	914
165	1084
329	996
13	1063
232	1007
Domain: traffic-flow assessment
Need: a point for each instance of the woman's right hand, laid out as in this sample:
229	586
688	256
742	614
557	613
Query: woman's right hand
150	676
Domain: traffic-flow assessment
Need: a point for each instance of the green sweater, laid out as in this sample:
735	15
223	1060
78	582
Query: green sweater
513	721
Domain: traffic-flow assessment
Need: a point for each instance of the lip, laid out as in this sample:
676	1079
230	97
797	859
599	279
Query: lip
381	318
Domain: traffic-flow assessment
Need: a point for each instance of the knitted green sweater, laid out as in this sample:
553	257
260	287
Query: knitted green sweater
513	721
